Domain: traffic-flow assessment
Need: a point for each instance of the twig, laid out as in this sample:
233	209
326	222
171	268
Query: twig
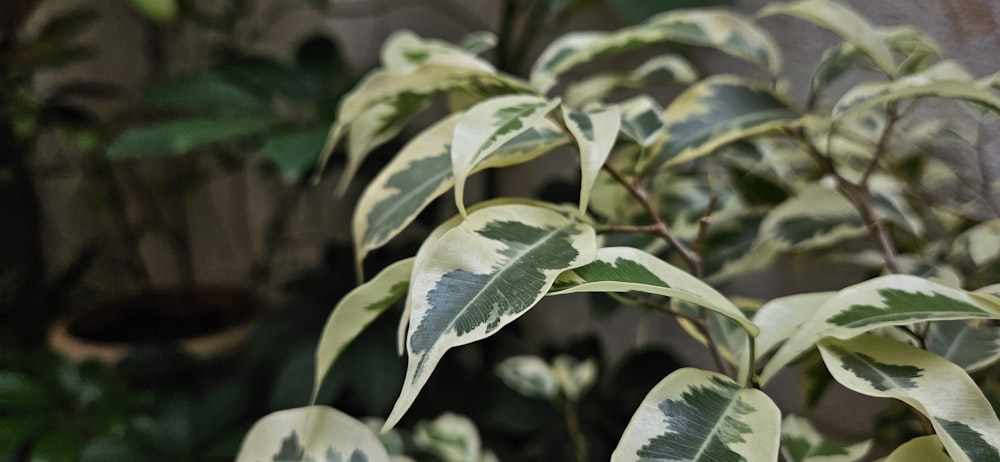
692	259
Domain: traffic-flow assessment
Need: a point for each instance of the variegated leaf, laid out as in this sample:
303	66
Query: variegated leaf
817	216
450	437
308	434
800	442
892	300
944	80
968	344
778	319
951	400
723	29
488	125
842	21
575	377
714	112
642	119
356	311
528	375
919	50
695	415
482	275
626	269
663	69
595	134
923	448
981	243
404	50
720	28
421	172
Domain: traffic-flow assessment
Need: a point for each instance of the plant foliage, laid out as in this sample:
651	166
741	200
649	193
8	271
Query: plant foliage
707	187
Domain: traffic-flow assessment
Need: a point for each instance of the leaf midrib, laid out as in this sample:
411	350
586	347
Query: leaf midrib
496	276
716	428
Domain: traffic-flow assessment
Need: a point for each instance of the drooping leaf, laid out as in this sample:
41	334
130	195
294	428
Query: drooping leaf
943	80
695	415
942	391
356	311
800	442
183	136
720	28
624	269
312	433
970	345
714	112
842	21
595	134
891	300
451	437
923	448
488	125
482	275
390	97
778	319
659	70
422	171
529	375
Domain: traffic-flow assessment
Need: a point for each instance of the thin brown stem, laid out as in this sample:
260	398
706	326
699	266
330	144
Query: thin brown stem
859	197
571	411
702	324
880	145
692	259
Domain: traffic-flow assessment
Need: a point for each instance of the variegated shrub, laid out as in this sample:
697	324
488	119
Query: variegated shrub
677	196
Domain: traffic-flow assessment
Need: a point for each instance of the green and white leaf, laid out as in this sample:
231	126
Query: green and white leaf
728	336
356	311
574	377
800	442
943	80
421	172
720	28
390	97
528	375
951	400
695	415
715	112
892	300
969	344
642	119
626	269
450	437
404	50
817	216
778	319
919	49
659	70
310	433
595	134
482	275
981	243
843	21
488	125
723	29
923	448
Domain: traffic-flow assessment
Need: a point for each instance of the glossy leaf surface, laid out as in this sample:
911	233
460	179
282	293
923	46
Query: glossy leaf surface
480	276
695	415
942	391
311	433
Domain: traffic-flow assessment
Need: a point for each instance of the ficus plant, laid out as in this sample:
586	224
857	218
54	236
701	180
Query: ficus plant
678	195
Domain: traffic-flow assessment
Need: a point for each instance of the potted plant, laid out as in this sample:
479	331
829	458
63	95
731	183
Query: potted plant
676	197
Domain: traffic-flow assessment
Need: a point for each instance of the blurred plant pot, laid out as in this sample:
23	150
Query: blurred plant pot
205	322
